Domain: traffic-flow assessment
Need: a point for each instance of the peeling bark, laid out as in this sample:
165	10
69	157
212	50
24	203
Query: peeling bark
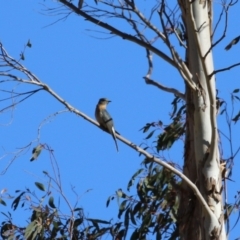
201	159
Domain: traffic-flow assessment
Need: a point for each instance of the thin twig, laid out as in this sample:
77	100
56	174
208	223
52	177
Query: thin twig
166	89
118	32
182	68
224	69
146	21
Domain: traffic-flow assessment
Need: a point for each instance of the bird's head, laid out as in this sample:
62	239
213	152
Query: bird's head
103	101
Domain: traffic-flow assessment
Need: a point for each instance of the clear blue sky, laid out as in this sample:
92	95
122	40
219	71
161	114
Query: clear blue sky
82	66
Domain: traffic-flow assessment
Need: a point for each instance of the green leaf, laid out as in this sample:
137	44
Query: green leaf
174	103
2	202
22	56
150	134
29	44
101	232
5	214
16	201
135	235
147	220
119	192
30	229
77	222
132	218
136	208
122	208
98	221
131	182
40	186
181	111
236	118
236	90
224	110
109	199
233	42
146	127
116	228
51	202
236	97
158	235
126	221
77	209
120	234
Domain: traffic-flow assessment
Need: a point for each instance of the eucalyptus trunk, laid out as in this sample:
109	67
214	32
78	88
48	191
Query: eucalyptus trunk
202	159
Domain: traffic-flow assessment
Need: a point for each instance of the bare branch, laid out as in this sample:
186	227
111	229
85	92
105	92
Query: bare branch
150	64
14	64
29	94
182	68
48	119
15	156
171	24
149	55
166	89
225	9
219	20
224	69
148	23
118	32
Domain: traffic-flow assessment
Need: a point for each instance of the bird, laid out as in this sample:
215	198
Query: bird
104	118
36	152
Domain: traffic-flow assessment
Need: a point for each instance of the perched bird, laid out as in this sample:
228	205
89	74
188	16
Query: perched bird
104	118
36	151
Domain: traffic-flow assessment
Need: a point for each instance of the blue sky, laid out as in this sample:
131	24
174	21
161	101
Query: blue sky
82	66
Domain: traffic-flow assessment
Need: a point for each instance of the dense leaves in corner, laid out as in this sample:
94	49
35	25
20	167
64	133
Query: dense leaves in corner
154	209
48	222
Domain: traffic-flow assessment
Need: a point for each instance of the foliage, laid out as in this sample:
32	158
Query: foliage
171	132
154	209
48	222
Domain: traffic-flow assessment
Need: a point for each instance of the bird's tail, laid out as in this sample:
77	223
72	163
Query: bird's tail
114	137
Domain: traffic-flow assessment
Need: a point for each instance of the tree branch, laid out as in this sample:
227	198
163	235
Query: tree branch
225	9
175	171
119	33
166	89
224	69
146	21
182	68
151	157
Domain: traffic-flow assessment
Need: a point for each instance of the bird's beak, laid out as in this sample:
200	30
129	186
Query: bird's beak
109	101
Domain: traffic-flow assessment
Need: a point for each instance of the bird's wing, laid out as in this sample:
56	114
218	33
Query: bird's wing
108	124
107	120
